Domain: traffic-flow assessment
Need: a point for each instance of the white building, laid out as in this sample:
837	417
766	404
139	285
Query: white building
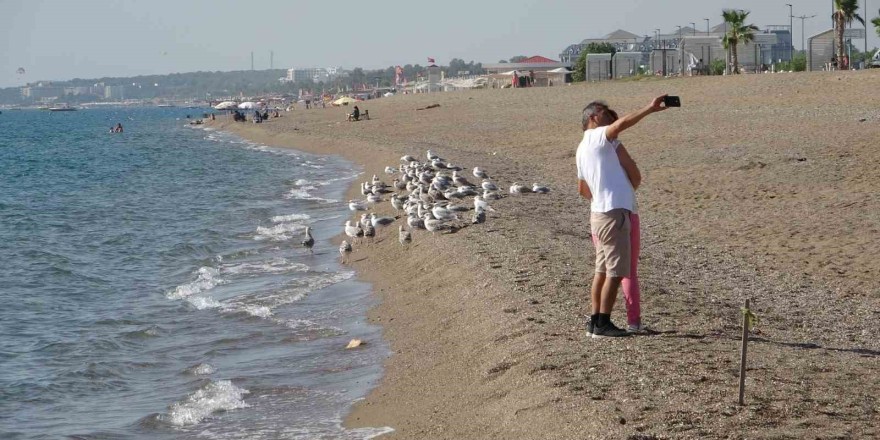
316	74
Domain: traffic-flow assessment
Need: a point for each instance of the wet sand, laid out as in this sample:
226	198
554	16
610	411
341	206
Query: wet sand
760	186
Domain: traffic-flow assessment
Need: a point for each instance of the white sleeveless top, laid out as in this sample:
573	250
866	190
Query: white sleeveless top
598	165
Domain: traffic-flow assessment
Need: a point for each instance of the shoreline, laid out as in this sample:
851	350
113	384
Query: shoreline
486	325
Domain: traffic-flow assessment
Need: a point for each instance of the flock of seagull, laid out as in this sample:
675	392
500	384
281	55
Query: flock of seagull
431	194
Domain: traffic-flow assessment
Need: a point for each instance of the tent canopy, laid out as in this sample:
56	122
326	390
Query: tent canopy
225	105
345	100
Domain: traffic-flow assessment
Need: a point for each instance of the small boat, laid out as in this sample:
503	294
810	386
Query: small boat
62	108
165	105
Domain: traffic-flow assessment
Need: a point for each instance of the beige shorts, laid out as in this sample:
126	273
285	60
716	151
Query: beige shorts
611	238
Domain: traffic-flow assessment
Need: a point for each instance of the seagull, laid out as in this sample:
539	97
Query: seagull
516	188
457	208
432	156
540	189
443	214
481	205
489	186
364	221
465	191
415	222
491	195
344	251
480	174
380	221
407	159
396	202
390	170
353	231
369	230
479	217
374	198
433	225
355	205
308	240
404	236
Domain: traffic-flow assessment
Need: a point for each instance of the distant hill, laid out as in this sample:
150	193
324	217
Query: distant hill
213	85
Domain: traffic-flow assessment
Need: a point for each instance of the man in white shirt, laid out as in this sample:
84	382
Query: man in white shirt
605	171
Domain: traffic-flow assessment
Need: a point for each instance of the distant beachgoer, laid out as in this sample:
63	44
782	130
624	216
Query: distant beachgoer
515	80
355	115
212	117
604	178
118	128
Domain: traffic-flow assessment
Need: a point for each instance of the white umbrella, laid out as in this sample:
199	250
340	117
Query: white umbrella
247	105
225	105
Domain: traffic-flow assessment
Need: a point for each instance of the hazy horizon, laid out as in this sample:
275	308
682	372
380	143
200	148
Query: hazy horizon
57	41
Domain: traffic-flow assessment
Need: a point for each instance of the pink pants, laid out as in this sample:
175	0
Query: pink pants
630	284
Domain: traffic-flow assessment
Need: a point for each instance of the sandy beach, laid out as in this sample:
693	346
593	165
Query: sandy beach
760	187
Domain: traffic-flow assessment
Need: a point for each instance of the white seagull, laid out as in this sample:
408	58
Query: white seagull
481	205
540	189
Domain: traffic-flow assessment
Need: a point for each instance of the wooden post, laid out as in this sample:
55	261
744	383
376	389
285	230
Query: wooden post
742	361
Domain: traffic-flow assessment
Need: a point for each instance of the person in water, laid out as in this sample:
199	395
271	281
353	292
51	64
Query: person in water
118	128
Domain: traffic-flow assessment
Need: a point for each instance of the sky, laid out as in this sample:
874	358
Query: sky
65	39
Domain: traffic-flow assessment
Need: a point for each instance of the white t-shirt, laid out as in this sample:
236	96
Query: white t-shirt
598	165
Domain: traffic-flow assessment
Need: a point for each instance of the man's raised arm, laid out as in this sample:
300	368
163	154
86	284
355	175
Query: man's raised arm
631	119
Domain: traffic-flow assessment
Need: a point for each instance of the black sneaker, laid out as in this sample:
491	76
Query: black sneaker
609	331
590	326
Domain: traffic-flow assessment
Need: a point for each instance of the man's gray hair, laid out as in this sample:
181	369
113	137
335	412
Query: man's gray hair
590	110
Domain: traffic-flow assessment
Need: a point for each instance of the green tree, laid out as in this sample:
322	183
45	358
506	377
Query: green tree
737	32
517	58
844	14
580	68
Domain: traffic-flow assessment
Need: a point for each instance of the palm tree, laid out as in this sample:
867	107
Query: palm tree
737	32
876	22
844	14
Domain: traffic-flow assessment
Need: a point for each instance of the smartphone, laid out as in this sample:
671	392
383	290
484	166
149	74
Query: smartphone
672	101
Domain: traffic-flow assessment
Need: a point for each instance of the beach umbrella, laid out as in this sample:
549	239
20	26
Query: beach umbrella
345	100
225	105
247	105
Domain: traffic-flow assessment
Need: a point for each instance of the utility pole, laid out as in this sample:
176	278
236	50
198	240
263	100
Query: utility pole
804	41
680	53
865	56
790	32
709	49
694	27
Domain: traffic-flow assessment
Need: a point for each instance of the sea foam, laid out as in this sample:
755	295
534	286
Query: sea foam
216	396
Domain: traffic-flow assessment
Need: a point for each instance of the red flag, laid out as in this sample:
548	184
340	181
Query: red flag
430	60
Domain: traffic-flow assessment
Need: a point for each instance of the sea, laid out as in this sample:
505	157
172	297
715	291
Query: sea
153	284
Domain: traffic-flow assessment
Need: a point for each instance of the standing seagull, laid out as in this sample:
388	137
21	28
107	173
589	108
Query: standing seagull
404	236
344	251
308	240
353	231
